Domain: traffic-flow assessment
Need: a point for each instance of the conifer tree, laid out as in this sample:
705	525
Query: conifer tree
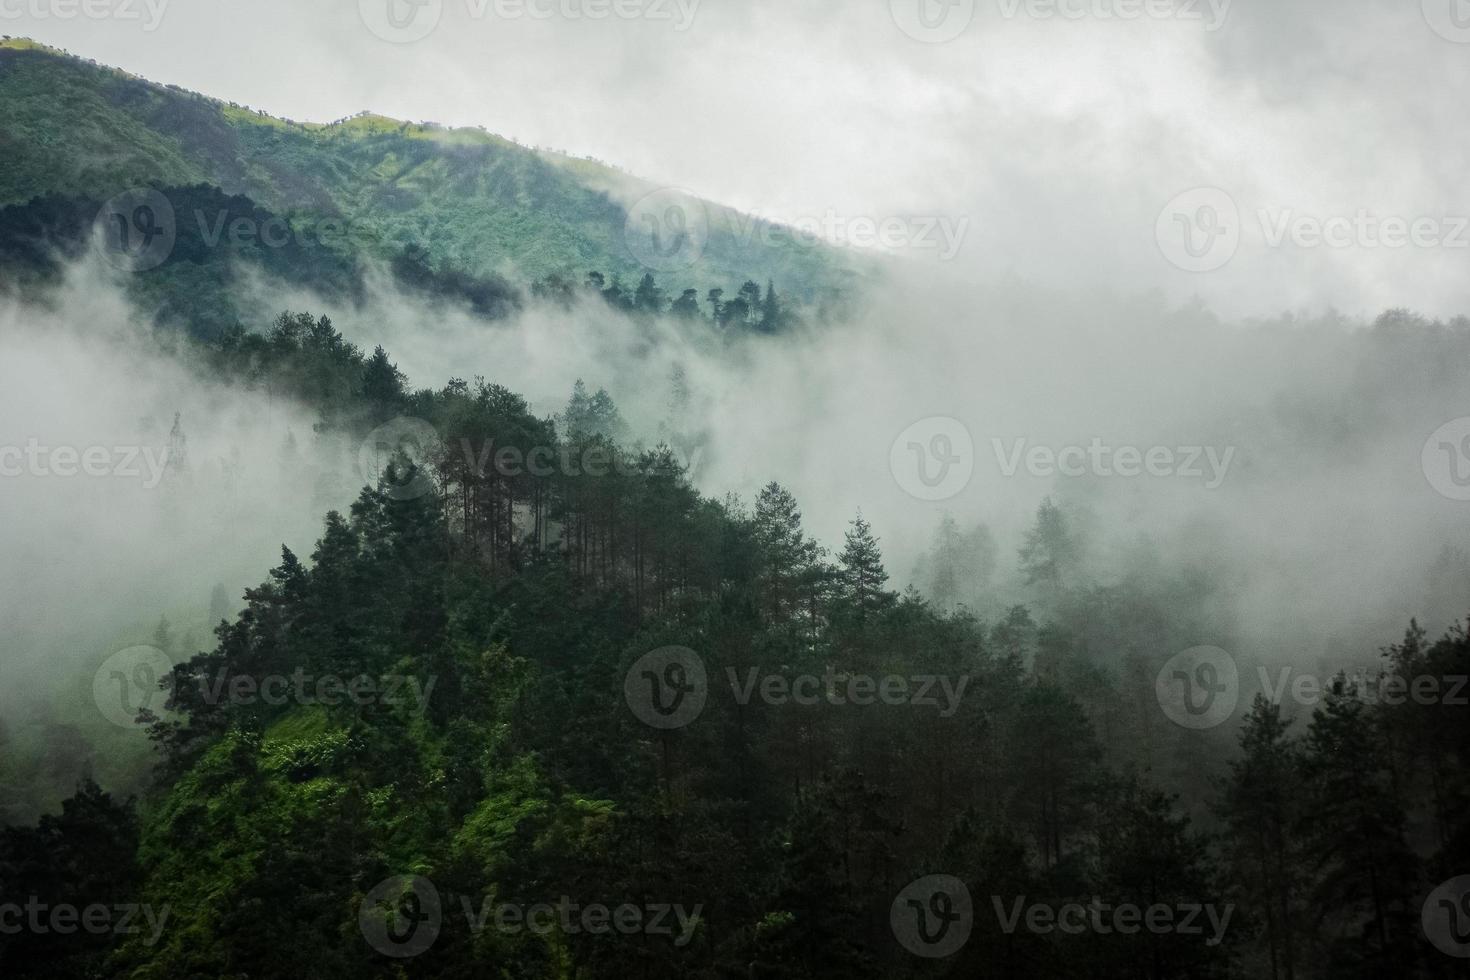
1355	827
863	575
1262	806
1051	549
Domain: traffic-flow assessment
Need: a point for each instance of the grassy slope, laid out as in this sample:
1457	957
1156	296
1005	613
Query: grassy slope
471	198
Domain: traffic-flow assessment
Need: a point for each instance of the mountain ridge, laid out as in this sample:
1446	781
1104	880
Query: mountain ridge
464	199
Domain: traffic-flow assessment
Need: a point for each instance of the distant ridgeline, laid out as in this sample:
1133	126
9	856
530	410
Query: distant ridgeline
192	194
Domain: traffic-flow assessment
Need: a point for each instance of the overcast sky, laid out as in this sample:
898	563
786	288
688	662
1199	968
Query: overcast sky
1065	132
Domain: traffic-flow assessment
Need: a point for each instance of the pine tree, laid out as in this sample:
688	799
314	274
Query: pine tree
772	317
1051	550
686	307
786	553
382	384
750	298
219	604
1262	806
592	416
835	851
1052	756
1355	826
648	298
176	469
1151	855
863	575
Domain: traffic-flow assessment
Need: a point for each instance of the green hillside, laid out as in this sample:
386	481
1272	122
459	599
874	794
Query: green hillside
460	199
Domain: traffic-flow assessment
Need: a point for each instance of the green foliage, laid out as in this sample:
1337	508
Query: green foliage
451	210
517	600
